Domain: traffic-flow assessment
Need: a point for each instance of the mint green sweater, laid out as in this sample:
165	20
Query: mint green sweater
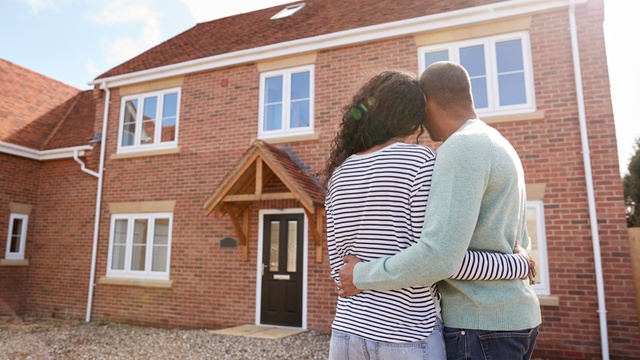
477	201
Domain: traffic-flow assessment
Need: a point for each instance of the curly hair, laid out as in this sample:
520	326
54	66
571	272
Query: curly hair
388	105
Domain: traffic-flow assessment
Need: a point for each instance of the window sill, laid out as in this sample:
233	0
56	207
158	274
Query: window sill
145	153
11	262
165	284
549	300
536	115
290	138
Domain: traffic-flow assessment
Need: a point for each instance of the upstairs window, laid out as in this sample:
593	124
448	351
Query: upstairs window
17	236
149	121
499	67
140	246
286	102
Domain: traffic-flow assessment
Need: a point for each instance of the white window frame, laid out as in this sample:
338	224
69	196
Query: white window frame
147	273
23	237
286	103
494	108
542	263
137	145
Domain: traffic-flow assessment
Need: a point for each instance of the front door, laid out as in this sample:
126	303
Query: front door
281	302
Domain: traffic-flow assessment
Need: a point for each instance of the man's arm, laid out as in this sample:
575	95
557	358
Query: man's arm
459	181
476	265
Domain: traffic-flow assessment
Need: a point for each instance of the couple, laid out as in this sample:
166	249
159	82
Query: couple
377	207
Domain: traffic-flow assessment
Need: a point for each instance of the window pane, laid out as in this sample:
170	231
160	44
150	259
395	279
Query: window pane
159	262
160	242
169	116
512	89
274	253
479	90
292	246
161	235
300	86
129	122
117	257
119	244
120	232
300	114
509	56
273	117
532	229
149	120
430	58
139	248
472	59
16	234
273	90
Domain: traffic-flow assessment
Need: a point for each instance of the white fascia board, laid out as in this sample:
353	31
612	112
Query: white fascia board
466	16
42	155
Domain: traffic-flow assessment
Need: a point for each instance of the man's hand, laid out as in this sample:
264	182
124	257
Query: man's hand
347	288
532	264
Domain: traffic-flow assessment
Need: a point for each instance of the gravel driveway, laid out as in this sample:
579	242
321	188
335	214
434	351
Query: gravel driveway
46	338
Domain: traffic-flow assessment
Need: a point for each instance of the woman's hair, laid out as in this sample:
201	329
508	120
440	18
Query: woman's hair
390	104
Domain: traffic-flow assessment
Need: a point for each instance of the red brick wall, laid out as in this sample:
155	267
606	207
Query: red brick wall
18	184
60	248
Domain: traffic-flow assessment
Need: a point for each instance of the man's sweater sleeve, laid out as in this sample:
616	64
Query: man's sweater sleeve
459	181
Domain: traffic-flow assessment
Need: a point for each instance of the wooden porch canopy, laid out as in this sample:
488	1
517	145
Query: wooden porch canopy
267	173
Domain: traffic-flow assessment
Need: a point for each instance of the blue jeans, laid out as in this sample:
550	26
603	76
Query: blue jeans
345	346
463	344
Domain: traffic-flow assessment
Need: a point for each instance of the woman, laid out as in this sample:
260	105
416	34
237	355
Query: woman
378	188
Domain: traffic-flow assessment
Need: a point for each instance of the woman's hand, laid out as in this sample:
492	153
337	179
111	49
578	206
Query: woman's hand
532	264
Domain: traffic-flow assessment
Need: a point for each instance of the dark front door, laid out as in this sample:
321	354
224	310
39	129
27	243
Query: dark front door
282	270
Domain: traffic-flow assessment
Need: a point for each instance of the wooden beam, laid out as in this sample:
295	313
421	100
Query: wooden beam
254	197
245	227
315	227
258	175
241	232
320	220
236	225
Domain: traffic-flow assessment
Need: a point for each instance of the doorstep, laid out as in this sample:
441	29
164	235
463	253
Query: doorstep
259	331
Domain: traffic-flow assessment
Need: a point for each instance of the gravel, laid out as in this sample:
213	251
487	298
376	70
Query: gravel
48	338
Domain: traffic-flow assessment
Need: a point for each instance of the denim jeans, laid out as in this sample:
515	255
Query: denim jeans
345	346
463	344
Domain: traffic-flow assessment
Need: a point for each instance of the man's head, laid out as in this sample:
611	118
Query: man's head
447	89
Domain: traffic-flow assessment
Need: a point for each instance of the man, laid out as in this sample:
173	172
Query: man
477	202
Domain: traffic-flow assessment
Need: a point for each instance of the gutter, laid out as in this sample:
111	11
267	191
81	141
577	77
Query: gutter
41	155
96	227
586	156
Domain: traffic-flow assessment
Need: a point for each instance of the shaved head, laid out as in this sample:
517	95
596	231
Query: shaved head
447	84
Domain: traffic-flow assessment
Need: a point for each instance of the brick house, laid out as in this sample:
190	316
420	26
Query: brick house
193	206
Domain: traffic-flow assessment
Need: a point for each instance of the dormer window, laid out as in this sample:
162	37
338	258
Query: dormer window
288	11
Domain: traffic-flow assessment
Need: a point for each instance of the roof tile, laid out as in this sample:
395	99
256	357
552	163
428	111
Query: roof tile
33	107
256	29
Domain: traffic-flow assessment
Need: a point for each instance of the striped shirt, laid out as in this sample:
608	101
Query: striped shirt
375	207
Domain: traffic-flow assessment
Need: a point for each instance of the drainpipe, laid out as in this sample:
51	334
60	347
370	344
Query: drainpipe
100	177
82	166
586	157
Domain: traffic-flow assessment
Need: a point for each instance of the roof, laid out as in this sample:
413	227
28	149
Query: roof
256	29
41	113
278	164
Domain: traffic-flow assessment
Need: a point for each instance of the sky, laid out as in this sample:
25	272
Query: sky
74	41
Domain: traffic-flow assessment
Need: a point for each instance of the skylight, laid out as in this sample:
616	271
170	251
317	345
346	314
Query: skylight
288	11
